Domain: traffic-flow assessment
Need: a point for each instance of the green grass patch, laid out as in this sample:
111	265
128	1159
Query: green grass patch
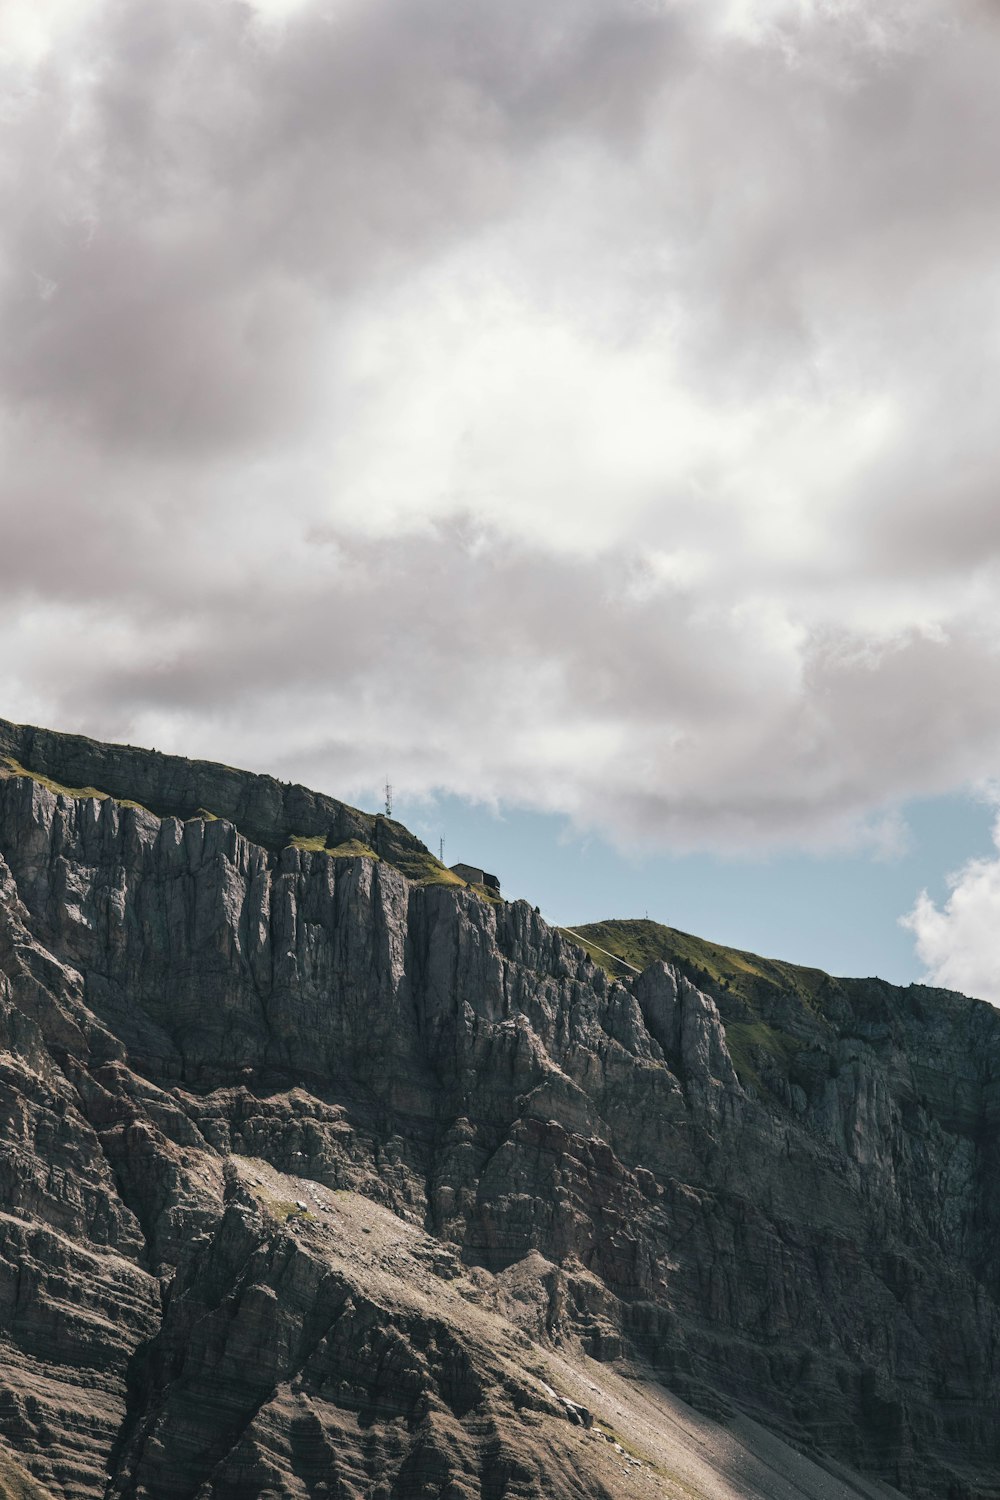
418	865
14	768
352	849
10	767
599	955
284	1209
748	1042
711	965
424	868
316	844
486	893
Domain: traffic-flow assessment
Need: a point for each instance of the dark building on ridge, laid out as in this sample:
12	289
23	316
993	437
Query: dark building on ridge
474	876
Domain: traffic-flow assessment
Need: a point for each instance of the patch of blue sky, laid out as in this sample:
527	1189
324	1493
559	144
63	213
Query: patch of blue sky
837	911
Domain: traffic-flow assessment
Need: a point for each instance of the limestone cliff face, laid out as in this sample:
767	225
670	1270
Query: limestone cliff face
188	1004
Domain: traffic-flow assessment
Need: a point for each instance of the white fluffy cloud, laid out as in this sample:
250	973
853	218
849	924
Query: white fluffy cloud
958	942
587	405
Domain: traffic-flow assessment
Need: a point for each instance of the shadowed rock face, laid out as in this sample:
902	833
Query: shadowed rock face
229	1067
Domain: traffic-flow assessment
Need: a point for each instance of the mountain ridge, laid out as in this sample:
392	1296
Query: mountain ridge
795	1003
224	1064
268	812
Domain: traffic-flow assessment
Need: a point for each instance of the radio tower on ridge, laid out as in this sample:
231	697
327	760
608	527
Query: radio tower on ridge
388	798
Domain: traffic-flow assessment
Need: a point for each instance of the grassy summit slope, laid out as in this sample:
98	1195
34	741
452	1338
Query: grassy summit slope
708	964
788	1025
774	1012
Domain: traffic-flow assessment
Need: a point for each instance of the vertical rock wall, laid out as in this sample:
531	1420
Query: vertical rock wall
820	1250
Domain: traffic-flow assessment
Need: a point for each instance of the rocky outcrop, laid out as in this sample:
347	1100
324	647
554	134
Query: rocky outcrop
267	811
222	1052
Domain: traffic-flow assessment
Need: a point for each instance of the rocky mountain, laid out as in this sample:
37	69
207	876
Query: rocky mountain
325	1175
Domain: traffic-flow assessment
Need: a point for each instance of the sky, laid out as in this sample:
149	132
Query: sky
582	413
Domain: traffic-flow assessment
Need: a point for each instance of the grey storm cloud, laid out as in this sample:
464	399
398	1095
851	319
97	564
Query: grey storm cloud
211	190
590	405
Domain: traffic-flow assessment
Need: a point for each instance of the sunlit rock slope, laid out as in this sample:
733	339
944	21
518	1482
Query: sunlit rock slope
323	1175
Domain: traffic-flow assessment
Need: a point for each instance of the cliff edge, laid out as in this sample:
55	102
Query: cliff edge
319	1179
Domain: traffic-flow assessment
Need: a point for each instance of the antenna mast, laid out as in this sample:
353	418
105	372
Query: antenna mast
388	798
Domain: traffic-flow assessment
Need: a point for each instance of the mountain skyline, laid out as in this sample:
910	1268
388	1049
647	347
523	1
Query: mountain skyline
581	413
327	1173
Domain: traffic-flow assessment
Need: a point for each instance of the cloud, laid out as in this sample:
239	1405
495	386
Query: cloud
957	942
586	406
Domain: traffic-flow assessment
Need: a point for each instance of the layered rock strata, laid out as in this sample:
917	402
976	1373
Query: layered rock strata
228	1063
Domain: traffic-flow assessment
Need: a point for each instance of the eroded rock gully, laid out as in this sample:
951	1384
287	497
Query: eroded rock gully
315	1181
